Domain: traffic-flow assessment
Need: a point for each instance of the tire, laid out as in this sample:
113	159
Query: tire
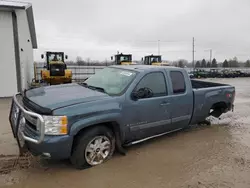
80	157
217	112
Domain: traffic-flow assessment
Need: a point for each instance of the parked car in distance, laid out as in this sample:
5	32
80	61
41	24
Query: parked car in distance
191	75
239	73
116	107
214	73
227	73
199	73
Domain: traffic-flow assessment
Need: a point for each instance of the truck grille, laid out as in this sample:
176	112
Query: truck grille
30	121
24	122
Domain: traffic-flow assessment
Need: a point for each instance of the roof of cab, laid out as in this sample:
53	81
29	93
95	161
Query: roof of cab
141	68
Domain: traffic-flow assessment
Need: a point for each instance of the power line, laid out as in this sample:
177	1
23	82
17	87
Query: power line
155	41
186	51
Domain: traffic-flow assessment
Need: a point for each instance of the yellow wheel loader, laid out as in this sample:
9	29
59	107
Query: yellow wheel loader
55	71
153	60
123	59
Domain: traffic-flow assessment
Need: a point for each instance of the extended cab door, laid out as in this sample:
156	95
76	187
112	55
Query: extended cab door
147	116
182	98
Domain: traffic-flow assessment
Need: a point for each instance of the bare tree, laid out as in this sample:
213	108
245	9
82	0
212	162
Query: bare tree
79	60
180	63
233	62
247	64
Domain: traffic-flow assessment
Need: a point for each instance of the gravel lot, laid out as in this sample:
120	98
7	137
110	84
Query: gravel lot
204	156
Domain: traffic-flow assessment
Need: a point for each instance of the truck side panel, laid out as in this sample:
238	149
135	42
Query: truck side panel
146	117
205	98
181	98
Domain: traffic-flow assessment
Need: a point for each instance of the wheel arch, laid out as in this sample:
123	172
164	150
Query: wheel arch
114	126
218	108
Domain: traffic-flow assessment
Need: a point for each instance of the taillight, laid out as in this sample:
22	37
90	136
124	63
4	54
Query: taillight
234	95
231	96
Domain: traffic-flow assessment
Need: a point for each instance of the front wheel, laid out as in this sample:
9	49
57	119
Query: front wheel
93	147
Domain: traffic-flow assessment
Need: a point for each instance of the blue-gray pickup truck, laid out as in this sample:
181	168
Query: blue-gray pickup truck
118	106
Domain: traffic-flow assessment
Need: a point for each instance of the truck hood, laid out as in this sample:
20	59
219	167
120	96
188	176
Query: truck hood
53	97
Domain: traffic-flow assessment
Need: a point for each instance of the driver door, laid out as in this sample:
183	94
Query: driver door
150	114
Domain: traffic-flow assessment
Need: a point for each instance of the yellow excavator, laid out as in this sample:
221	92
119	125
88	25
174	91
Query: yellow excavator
55	72
123	59
154	60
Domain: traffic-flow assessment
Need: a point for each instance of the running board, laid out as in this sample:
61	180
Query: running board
151	137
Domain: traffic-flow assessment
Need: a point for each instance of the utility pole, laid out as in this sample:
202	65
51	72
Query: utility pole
210	52
210	56
158	47
193	53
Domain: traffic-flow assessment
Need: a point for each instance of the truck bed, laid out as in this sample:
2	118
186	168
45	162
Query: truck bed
197	84
209	95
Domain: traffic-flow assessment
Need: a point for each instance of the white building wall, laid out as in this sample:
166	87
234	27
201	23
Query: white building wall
25	49
8	81
8	74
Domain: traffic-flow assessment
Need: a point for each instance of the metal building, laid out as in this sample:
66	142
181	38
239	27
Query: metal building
17	41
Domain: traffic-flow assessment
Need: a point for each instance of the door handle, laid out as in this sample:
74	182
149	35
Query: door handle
164	103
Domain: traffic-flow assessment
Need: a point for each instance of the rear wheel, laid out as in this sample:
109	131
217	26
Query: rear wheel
218	109
93	147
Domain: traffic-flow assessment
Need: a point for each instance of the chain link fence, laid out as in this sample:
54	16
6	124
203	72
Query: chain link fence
79	72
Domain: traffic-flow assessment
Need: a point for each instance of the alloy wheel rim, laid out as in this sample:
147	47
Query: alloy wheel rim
97	150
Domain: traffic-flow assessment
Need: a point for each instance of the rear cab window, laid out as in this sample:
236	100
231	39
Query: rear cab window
178	82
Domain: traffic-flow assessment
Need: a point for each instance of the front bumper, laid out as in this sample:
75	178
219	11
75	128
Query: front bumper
58	147
28	129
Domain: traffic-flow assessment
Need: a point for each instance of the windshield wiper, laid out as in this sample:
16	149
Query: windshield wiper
92	87
97	88
83	84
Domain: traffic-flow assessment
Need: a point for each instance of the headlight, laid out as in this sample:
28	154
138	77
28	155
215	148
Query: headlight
55	125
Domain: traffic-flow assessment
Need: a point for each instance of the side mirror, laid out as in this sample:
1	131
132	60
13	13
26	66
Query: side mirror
134	96
141	93
66	56
42	56
142	59
111	58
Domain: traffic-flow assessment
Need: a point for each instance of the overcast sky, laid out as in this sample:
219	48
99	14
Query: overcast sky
97	29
